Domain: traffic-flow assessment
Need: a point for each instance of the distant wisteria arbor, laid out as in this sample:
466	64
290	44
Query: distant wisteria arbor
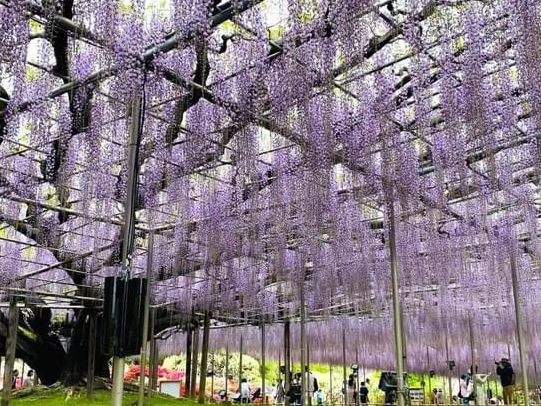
278	136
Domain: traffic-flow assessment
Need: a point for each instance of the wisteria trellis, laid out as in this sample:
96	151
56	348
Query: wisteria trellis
272	131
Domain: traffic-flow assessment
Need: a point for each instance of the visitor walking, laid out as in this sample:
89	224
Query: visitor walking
434	397
320	397
280	397
439	397
350	391
294	393
507	379
480	392
311	384
466	389
363	393
244	391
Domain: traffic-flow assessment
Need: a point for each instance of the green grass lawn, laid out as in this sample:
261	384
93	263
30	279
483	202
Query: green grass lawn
59	397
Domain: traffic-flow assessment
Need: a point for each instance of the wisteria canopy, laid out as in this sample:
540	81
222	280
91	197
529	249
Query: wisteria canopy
278	136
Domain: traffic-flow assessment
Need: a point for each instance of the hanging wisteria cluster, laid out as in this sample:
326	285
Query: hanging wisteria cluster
277	136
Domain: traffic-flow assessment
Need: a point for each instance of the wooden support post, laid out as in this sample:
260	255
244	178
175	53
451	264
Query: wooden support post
11	347
195	359
91	355
188	370
204	358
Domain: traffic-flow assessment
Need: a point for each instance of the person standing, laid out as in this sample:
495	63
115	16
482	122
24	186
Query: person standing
280	397
466	389
244	391
363	393
433	397
311	384
350	391
507	379
480	392
320	397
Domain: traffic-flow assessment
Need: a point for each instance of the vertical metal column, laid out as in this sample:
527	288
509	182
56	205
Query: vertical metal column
287	358
303	346
263	362
226	371
195	357
308	374
472	349
212	362
128	231
397	312
520	329
330	385
11	347
204	358
240	360
450	394
428	369
153	367
188	368
345	382
357	383
91	355
146	310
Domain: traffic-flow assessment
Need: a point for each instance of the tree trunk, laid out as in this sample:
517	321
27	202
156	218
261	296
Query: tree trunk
41	350
75	367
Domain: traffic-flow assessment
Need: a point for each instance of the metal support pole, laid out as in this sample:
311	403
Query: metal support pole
11	347
450	394
195	357
472	349
153	367
287	358
91	355
204	358
263	366
304	375
397	312
240	360
311	394
212	376
128	231
520	329
118	380
357	383
428	369
188	370
226	371
146	310
330	385
345	382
